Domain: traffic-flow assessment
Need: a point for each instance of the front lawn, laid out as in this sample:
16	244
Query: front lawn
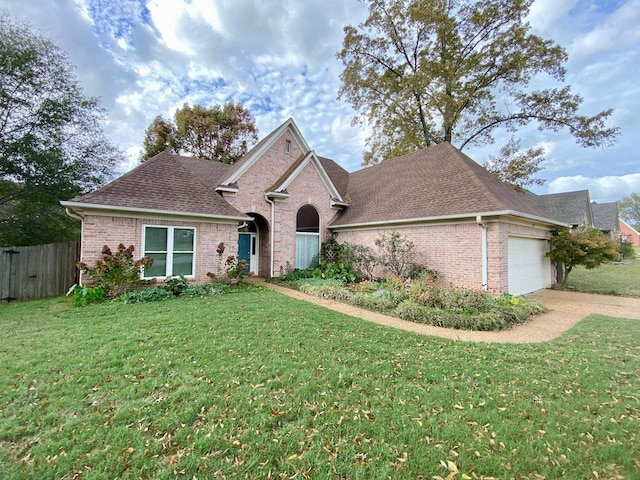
619	278
254	384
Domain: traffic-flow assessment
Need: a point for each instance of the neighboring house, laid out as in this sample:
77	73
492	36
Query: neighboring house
572	208
280	201
628	233
605	218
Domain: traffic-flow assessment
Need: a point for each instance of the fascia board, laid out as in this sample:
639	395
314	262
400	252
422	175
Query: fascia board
324	176
541	220
256	155
123	211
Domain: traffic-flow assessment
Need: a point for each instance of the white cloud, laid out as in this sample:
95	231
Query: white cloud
277	58
617	32
602	189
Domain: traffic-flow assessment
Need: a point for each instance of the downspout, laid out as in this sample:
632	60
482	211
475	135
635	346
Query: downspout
271	233
485	268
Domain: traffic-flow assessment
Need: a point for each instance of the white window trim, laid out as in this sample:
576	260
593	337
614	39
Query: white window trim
170	252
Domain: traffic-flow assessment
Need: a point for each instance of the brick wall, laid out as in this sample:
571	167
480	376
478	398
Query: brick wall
455	250
98	231
306	189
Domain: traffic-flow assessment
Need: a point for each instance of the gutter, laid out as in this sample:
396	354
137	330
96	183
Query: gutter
498	213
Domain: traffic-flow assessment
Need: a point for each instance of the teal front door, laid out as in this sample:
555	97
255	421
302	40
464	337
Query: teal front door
244	249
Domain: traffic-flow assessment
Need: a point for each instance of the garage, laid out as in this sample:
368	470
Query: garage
529	268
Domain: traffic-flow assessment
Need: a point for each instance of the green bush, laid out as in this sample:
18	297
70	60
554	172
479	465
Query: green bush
625	249
146	295
337	271
176	285
393	296
167	292
327	290
83	295
371	302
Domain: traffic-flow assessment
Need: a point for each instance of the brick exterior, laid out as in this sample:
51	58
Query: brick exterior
98	230
629	233
306	189
455	250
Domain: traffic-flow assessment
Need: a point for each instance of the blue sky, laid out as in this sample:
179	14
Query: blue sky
277	58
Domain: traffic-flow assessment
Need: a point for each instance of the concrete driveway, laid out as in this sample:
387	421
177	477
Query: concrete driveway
565	309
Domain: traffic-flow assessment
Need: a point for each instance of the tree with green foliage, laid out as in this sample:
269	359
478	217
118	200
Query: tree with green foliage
588	247
52	146
629	208
220	134
423	72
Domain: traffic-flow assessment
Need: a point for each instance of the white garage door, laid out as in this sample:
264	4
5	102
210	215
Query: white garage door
529	268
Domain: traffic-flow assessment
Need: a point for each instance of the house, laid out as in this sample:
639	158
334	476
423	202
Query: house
605	218
577	210
276	205
629	234
572	208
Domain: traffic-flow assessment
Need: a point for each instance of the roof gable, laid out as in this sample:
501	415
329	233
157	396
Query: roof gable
246	162
605	216
573	208
434	182
298	166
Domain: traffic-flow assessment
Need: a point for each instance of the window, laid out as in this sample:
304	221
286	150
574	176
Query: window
172	250
287	146
307	236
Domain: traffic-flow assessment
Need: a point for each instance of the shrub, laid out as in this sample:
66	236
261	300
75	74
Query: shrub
166	292
234	269
360	258
396	254
393	296
146	295
372	302
176	285
116	273
83	295
332	290
336	271
625	249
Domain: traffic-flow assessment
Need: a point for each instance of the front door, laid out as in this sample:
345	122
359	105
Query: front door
248	251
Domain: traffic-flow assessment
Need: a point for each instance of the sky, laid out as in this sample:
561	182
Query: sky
144	58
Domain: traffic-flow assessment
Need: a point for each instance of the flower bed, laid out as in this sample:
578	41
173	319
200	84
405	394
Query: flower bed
426	301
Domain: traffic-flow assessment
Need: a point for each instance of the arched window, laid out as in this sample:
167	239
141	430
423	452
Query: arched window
307	236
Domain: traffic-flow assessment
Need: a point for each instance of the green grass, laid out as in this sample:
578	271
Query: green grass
258	385
611	278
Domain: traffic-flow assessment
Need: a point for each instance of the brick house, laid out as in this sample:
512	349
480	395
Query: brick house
628	233
276	205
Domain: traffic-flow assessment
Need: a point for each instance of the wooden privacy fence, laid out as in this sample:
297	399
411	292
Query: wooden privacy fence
29	273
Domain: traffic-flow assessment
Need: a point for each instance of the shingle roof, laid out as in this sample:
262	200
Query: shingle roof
338	175
437	181
573	208
169	183
605	216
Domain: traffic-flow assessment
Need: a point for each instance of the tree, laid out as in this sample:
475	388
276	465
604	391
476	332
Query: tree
422	72
52	146
586	246
629	208
217	134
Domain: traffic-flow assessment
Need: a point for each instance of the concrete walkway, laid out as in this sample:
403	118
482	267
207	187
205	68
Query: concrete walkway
565	309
